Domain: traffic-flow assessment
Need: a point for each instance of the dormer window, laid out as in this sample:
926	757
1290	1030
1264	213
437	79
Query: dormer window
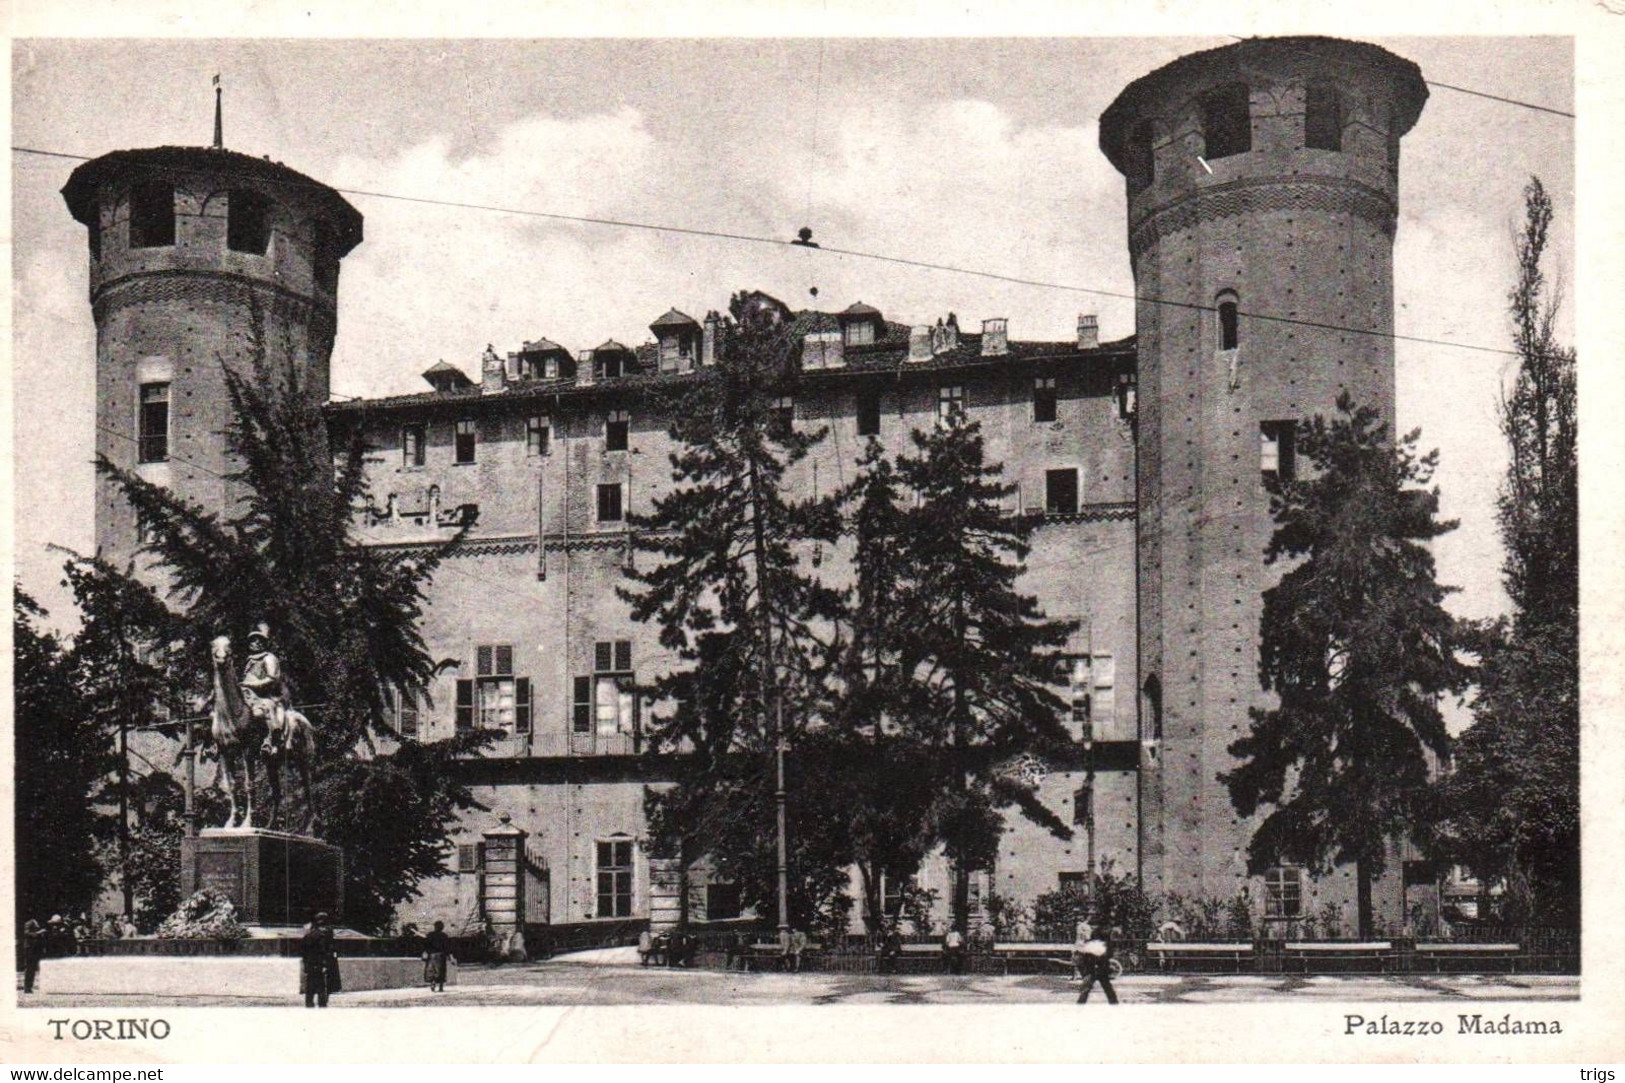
611	361
152	215
248	222
861	325
678	335
1227	121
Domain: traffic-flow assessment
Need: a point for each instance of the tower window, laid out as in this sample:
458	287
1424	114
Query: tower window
616	430
1227	122
324	262
412	441
152	215
1141	157
1229	324
466	440
609	503
1061	492
1044	398
1277	454
869	412
248	222
152	439
1323	118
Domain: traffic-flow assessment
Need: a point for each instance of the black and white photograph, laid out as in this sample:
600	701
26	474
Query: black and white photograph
1058	520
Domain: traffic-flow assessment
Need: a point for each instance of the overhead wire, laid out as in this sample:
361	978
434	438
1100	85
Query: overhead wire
855	253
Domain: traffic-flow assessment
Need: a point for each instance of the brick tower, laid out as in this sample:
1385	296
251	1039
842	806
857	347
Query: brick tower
193	252
1262	202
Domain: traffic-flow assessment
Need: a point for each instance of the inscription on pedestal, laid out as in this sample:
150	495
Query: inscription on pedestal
222	872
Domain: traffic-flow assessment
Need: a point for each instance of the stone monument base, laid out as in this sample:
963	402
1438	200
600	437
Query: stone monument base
271	877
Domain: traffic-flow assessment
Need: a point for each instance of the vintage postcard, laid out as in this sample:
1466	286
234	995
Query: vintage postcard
633	534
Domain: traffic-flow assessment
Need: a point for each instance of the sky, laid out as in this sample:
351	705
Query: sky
973	153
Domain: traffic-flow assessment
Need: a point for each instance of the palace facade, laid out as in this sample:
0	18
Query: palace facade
1261	185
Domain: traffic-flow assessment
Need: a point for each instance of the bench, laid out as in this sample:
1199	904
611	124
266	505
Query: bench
1445	956
1369	956
1217	956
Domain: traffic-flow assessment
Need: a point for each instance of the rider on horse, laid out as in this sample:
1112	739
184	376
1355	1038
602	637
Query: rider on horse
264	690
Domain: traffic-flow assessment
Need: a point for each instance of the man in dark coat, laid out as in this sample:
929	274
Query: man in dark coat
33	952
318	963
1095	960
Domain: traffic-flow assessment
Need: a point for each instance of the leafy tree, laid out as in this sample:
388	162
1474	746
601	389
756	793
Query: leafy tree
62	759
1358	647
1512	801
731	598
976	658
344	617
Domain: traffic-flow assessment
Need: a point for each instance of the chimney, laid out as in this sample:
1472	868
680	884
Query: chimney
822	350
919	343
493	372
1088	331
708	338
995	337
584	372
951	333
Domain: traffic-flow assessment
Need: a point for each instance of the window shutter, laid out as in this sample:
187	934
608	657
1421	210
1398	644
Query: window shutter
581	714
623	656
479	856
603	660
483	662
465	858
504	661
521	705
465	705
408	724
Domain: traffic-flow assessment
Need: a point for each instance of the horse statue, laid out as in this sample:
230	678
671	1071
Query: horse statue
242	739
237	733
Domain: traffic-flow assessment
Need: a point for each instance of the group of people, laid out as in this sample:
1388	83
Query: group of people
59	938
675	948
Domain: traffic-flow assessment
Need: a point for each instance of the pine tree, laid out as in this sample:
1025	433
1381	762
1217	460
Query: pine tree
345	619
890	777
979	658
731	599
1512	800
1358	647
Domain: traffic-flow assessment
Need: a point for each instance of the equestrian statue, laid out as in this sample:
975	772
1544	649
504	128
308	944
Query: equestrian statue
253	722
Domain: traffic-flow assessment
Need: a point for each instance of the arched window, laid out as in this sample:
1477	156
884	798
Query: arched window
1141	156
1153	701
1229	321
1227	121
248	222
1323	118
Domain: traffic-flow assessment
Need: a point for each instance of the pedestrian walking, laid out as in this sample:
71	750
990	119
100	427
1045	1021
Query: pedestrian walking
1095	960
436	956
33	952
318	963
891	949
953	950
83	933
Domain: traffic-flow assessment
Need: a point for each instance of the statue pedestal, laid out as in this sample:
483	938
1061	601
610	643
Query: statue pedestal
271	877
